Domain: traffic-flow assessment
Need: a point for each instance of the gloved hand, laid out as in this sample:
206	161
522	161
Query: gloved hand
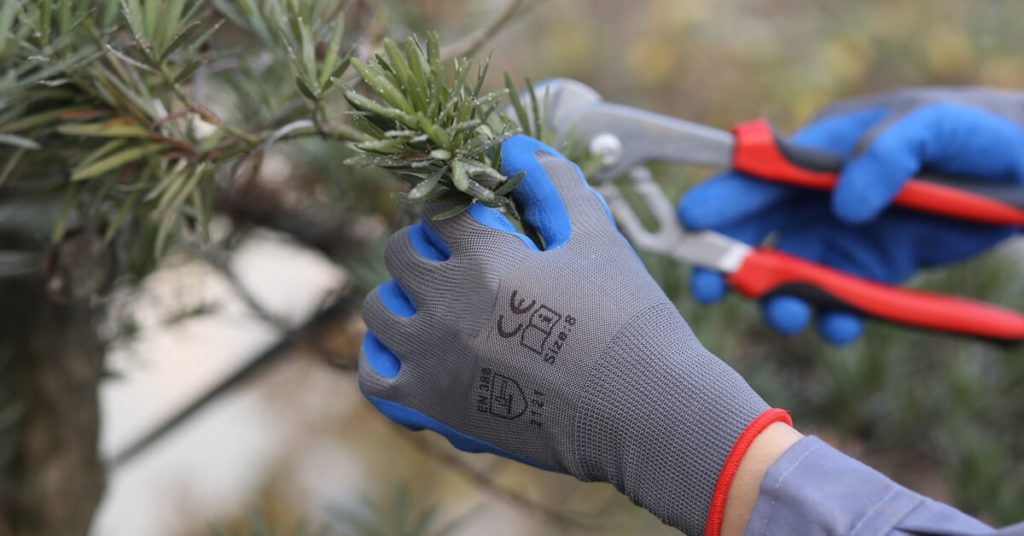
569	358
887	138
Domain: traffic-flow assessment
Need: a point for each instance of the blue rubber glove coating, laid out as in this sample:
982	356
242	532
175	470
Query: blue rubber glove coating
887	140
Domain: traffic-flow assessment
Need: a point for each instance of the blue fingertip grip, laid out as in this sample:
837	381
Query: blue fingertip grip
839	327
788	315
489	217
707	287
394	297
381	360
428	244
415	420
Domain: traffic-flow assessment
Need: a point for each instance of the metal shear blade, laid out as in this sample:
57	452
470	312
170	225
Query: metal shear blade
624	138
704	248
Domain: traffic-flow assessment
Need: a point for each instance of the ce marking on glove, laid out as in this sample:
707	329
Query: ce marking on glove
536	334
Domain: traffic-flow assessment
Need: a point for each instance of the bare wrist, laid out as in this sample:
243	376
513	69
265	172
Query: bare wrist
763	452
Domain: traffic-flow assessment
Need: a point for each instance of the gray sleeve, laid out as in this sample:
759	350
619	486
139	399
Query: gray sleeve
815	489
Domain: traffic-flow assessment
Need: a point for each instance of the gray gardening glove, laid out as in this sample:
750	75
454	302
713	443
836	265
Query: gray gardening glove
569	358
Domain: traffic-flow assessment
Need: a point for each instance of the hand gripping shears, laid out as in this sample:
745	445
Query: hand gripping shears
625	138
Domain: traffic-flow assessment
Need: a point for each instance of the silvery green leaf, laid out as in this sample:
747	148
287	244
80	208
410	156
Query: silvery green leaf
441	154
380	146
22	142
475	168
426	186
466	125
510	184
385	161
459	177
454	211
369	105
375	77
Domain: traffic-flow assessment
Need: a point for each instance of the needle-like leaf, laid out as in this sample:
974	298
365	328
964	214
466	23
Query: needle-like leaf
114	128
521	115
375	77
433	126
180	39
115	161
15	140
332	54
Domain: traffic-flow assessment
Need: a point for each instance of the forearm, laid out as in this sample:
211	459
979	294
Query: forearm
812	488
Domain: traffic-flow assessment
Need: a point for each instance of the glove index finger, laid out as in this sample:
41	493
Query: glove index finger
476	225
553	195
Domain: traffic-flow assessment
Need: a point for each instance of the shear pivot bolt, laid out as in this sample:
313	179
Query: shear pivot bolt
607	147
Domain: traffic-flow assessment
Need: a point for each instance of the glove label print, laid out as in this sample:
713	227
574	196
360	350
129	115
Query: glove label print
499	395
536	332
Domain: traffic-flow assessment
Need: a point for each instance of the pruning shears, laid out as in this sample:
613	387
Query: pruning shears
625	138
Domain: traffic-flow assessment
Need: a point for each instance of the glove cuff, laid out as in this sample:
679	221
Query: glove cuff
659	418
716	513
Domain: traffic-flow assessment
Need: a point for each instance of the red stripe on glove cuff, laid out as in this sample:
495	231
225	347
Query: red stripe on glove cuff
716	514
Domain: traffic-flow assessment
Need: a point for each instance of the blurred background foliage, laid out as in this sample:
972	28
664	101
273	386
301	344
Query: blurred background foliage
938	414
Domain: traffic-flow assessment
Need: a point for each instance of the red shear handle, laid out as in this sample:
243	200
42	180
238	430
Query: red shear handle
767	271
759	152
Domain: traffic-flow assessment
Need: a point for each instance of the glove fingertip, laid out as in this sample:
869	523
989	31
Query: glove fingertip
692	210
840	328
396	299
861	193
382	361
520	146
428	243
869	182
491	218
856	208
708	287
785	314
553	191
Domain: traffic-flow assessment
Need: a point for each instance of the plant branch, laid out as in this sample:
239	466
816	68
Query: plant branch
218	262
471	44
334	131
205	113
286	345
